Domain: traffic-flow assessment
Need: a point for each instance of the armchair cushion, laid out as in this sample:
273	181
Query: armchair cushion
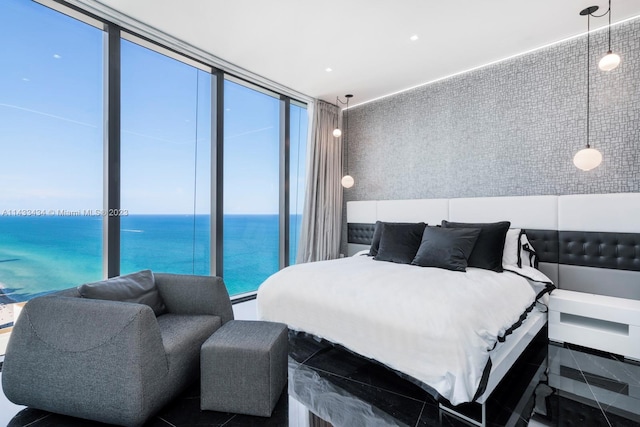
182	337
137	287
195	295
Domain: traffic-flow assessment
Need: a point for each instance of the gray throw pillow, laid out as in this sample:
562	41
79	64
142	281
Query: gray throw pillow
377	233
137	287
488	250
399	242
446	247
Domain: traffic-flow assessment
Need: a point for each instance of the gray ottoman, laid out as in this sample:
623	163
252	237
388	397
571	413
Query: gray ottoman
244	367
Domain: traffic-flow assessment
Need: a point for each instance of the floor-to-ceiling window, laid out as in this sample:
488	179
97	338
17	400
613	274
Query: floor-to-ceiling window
297	174
57	144
165	163
251	186
51	126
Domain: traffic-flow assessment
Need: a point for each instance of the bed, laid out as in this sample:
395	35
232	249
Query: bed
395	313
434	325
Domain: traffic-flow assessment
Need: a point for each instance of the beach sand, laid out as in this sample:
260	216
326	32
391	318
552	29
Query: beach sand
6	309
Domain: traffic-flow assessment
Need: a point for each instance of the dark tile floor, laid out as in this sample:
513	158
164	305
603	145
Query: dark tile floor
550	386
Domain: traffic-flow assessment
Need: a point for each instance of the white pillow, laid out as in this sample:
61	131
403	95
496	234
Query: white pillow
511	248
362	252
516	245
530	273
528	256
540	283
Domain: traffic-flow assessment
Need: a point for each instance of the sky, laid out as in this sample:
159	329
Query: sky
51	125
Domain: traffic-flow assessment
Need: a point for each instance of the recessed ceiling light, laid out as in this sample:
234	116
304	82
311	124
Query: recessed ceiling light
413	37
57	56
328	69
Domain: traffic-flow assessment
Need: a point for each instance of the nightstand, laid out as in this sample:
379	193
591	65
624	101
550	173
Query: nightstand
596	321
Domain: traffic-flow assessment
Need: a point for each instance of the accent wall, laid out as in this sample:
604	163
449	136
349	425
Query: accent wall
508	129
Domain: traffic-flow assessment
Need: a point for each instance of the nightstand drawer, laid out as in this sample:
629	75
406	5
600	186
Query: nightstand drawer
596	321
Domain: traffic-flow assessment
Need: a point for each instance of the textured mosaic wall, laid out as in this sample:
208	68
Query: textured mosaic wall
505	130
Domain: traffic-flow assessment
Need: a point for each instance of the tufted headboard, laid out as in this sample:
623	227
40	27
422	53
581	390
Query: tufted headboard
588	243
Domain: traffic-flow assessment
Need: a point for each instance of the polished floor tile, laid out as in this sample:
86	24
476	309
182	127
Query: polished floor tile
597	387
550	385
356	369
321	391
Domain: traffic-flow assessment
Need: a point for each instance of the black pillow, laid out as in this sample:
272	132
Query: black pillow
487	252
137	287
399	242
377	233
375	240
446	247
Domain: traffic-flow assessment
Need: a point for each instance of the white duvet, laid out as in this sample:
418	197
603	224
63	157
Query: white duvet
436	325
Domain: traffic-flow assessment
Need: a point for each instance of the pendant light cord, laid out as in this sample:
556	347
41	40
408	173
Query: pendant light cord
609	13
345	121
588	73
346	131
604	14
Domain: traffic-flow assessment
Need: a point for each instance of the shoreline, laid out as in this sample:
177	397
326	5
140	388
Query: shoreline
4	298
29	268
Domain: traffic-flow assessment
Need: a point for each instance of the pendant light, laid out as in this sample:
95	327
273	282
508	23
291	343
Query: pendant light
337	132
611	60
588	158
347	180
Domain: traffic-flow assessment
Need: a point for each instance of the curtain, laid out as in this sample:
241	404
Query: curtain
322	214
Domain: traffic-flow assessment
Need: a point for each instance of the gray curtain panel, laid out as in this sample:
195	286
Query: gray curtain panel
322	215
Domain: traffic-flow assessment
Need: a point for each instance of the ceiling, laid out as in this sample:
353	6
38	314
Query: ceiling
367	42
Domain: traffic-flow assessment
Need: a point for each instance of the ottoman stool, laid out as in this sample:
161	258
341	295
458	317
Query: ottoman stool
244	367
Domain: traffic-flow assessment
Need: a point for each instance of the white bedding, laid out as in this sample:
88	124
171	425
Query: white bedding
436	325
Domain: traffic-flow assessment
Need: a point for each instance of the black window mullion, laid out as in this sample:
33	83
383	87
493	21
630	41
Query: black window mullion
217	173
112	111
285	148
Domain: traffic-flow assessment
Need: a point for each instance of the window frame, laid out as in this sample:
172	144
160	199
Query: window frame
117	26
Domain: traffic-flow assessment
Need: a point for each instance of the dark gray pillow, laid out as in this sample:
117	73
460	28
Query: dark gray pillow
375	240
399	242
446	247
137	287
487	252
377	233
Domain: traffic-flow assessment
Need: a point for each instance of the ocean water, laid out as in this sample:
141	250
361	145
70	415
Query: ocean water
40	254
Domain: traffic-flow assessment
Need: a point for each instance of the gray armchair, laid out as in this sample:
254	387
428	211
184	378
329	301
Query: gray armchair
112	361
